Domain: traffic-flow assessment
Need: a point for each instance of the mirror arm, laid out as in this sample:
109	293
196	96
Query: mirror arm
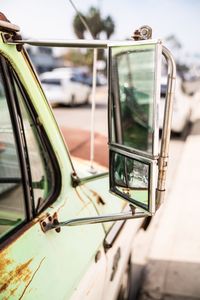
164	151
52	222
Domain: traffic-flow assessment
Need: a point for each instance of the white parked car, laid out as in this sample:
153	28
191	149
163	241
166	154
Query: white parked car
181	109
63	86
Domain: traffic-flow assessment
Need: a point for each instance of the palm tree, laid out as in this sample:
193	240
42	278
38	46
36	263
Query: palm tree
95	22
78	26
109	26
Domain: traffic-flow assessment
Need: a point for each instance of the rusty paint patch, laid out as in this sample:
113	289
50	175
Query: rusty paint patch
20	273
100	200
12	292
93	195
4	262
12	276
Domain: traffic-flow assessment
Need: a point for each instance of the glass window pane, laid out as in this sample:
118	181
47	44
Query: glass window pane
40	164
12	209
134	69
131	179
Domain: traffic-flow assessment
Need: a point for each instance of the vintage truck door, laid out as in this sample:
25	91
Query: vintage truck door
119	236
34	181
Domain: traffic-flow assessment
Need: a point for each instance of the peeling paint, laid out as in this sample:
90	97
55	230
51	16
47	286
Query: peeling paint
11	276
91	194
4	262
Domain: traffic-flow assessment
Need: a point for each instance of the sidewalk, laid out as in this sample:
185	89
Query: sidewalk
172	268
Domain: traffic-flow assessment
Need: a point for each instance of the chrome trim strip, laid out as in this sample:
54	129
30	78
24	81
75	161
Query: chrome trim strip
132	42
84	180
62	43
135	155
156	100
47	225
99	219
80	43
133	151
166	132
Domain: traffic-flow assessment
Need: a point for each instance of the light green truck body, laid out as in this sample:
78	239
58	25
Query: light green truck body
63	236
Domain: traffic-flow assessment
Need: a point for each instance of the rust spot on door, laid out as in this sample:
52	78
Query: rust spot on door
12	275
4	262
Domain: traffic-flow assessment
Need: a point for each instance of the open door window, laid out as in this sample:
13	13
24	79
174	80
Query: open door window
134	93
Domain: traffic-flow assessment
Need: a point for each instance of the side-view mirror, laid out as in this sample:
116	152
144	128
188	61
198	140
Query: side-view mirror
137	166
137	160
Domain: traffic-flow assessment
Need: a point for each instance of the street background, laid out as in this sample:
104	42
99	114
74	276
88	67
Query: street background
166	256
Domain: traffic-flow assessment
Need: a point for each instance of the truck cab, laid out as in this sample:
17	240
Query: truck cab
63	235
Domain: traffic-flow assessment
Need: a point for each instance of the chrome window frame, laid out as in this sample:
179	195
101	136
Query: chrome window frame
153	169
156	96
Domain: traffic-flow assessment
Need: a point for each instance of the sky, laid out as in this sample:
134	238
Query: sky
52	19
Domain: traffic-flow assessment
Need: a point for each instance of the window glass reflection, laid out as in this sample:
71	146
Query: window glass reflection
135	71
131	178
12	207
40	164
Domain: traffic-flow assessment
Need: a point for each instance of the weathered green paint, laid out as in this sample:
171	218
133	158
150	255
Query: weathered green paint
100	188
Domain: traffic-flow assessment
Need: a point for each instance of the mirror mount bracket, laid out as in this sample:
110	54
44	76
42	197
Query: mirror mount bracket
51	222
75	179
160	191
162	166
142	33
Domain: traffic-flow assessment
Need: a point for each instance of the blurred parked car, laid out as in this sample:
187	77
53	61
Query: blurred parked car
87	79
182	107
63	86
83	75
